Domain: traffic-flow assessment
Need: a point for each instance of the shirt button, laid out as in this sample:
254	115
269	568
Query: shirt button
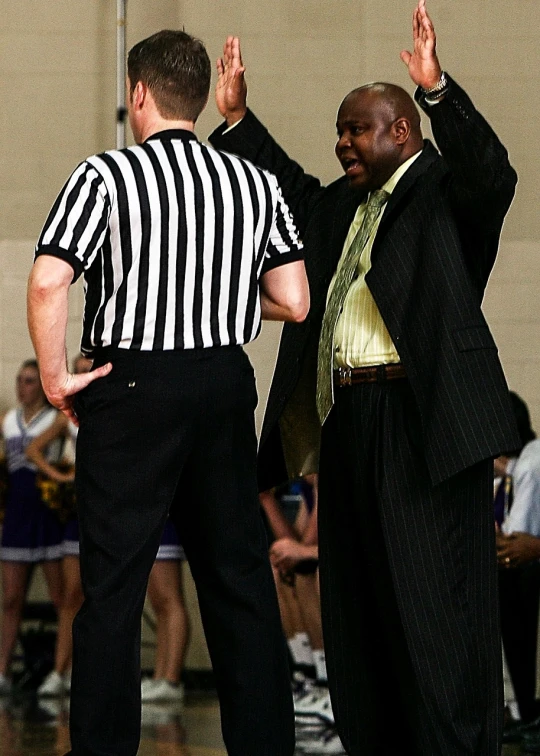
338	349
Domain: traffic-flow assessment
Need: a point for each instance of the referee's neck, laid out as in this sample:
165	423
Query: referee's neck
155	125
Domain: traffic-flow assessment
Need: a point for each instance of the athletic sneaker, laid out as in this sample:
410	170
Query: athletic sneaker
146	685
162	690
310	695
5	685
314	705
52	685
310	733
51	708
165	713
301	684
327	743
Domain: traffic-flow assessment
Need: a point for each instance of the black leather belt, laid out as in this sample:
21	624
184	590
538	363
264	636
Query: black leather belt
369	374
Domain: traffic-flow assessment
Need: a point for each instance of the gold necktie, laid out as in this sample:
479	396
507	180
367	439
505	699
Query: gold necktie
344	277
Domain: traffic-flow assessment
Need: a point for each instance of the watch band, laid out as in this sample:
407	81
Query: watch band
434	94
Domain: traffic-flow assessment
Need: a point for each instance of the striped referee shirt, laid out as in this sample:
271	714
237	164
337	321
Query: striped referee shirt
172	237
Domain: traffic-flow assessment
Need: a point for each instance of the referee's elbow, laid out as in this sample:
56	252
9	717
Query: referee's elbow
49	274
299	308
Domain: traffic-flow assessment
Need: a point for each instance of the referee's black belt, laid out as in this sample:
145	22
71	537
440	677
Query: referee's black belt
369	374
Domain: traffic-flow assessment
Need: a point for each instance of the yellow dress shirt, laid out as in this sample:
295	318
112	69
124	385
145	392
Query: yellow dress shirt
361	337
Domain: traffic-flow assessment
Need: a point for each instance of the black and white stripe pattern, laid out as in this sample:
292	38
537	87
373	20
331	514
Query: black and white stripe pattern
172	237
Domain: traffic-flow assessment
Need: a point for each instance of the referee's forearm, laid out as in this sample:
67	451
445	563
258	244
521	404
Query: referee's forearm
48	289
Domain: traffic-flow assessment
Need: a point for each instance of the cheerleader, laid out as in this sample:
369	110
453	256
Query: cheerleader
58	681
172	622
31	533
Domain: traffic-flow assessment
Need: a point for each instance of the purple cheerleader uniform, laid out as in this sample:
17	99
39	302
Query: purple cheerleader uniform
31	532
70	543
170	547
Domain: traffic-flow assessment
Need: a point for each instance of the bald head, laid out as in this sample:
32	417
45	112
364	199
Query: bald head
394	100
379	129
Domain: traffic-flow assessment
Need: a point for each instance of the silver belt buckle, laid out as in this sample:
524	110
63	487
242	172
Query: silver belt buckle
345	376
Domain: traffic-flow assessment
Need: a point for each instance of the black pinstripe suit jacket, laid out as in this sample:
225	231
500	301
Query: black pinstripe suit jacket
432	256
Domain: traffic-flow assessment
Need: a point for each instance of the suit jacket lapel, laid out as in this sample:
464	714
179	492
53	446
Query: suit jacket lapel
344	211
350	200
405	184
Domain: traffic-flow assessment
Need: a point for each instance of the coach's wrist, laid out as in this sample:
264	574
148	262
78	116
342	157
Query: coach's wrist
235	116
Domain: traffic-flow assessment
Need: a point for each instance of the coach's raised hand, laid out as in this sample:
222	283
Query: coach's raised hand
423	64
231	89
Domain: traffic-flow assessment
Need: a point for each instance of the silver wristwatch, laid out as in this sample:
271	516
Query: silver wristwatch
434	94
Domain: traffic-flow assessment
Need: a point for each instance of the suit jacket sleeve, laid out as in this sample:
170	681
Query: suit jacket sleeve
482	181
251	140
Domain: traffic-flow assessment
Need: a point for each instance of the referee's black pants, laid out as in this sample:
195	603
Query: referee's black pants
175	430
408	586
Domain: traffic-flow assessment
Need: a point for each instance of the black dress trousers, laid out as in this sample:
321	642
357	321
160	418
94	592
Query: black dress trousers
174	431
408	586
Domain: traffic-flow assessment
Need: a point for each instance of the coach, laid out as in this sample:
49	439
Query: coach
412	398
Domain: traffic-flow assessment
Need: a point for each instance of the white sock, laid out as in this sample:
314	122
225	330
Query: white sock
300	649
295	649
319	660
307	653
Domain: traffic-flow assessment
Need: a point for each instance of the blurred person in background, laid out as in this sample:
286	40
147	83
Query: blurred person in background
517	512
58	681
31	533
166	595
291	512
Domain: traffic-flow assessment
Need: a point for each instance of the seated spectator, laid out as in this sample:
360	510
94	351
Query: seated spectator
291	513
288	554
519	579
517	549
294	557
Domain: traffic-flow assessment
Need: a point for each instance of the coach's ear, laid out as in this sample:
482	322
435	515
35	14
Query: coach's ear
401	130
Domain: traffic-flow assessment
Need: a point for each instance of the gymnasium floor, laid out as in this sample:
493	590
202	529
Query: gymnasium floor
32	728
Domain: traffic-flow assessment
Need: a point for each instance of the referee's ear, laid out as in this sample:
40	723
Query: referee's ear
138	96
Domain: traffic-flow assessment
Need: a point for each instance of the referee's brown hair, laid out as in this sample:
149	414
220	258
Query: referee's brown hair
176	69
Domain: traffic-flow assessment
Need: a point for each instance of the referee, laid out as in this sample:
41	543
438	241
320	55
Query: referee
182	249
